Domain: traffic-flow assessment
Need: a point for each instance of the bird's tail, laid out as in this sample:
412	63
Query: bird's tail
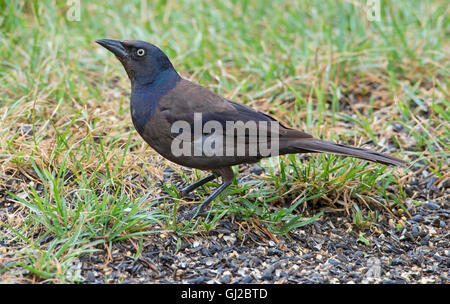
316	145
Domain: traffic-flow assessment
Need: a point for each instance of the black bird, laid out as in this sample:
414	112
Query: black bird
166	110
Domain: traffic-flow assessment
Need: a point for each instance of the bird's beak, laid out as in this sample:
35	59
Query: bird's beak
113	45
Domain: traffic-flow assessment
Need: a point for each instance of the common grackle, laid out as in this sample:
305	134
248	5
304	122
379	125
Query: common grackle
192	126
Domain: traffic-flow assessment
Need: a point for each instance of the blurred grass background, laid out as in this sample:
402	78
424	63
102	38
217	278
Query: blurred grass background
74	174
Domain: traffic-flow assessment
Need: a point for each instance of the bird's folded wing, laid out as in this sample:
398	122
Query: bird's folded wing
195	104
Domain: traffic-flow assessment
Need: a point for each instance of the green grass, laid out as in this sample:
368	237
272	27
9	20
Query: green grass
79	177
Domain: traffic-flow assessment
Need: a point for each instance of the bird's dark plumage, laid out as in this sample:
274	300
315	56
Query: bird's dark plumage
160	98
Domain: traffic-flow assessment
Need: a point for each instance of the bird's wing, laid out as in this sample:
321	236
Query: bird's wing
188	99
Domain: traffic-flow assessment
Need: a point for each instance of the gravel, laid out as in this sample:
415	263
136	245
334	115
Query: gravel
401	249
417	253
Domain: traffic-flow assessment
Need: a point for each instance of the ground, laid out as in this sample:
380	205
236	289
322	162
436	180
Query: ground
84	199
325	252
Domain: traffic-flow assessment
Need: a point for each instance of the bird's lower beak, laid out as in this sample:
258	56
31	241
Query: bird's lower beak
113	45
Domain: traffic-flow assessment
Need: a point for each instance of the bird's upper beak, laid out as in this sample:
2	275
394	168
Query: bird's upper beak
113	45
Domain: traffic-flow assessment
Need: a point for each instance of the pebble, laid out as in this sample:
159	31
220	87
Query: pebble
436	222
255	262
397	261
198	280
432	206
274	251
136	268
334	263
166	259
246	280
268	274
415	231
417	218
397	127
211	261
225	279
257	170
26	130
91	276
205	252
438	257
231	239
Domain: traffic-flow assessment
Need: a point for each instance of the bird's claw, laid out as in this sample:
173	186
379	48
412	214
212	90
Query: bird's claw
183	193
189	215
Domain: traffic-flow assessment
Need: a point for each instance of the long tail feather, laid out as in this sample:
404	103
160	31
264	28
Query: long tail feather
315	145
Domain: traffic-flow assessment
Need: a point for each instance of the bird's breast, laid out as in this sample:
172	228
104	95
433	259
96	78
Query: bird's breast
142	110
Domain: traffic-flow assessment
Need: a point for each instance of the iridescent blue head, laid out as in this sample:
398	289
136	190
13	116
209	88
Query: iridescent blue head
143	61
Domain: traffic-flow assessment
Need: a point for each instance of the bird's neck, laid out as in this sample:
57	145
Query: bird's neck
154	81
145	96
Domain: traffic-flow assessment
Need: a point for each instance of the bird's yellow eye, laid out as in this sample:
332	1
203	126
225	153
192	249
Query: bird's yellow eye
140	52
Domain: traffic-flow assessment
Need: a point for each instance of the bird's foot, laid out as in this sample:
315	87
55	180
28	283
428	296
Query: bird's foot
184	192
189	215
197	210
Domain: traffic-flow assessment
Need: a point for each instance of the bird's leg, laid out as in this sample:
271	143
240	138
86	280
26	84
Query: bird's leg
227	178
197	184
210	198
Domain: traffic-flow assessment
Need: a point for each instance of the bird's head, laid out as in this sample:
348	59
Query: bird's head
143	61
